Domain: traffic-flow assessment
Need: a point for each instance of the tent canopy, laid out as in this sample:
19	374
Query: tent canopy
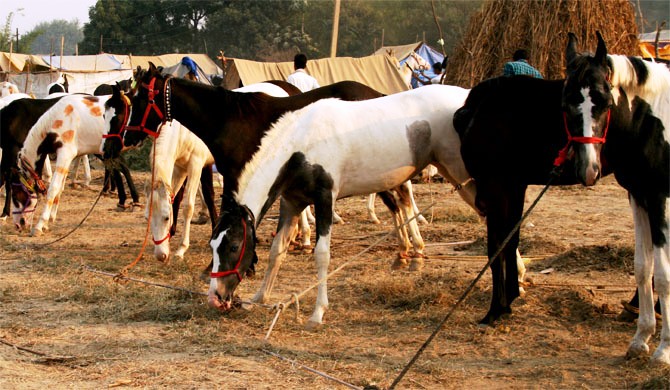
204	62
402	52
184	66
378	72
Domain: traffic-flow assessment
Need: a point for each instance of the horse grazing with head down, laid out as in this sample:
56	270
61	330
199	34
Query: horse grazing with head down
332	149
230	123
71	127
611	115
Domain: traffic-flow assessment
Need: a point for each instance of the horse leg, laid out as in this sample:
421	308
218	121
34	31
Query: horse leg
401	231
305	230
190	193
310	216
75	168
288	218
404	192
8	197
47	174
135	196
644	254
64	158
371	208
662	277
420	218
54	209
176	201
325	211
87	171
504	208
121	190
207	185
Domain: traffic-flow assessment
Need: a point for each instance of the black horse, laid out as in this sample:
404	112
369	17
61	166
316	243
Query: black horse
512	131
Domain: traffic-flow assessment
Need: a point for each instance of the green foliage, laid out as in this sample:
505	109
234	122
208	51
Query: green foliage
46	37
6	33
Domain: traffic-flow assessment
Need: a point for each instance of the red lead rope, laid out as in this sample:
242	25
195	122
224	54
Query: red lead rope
235	270
563	153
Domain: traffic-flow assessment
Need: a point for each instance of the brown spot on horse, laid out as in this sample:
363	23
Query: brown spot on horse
68	109
67	136
57	124
96	111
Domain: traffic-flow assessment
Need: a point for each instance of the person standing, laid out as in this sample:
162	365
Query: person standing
300	78
520	66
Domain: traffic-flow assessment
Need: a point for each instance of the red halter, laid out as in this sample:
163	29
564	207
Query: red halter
236	271
563	153
150	106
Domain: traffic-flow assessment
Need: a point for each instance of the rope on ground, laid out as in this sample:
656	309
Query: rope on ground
295	297
312	370
77	226
38	353
124	270
162	285
473	283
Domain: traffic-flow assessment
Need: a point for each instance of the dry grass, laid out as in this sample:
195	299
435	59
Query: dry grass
131	335
541	27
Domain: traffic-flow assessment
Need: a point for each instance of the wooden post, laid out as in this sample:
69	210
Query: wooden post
11	49
62	45
76	49
100	44
51	59
336	25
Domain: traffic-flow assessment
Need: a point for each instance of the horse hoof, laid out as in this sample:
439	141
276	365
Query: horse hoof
312	325
660	359
136	206
416	264
36	233
636	350
399	263
201	220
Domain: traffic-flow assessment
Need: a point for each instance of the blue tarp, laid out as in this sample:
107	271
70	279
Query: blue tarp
431	56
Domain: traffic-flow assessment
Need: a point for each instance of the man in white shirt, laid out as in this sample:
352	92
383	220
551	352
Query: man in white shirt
300	78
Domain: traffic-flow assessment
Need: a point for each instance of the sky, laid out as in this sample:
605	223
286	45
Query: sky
37	11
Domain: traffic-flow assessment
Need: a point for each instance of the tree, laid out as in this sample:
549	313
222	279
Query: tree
46	37
146	27
6	33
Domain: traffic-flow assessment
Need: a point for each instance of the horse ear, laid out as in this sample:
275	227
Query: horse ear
116	91
152	68
571	50
601	50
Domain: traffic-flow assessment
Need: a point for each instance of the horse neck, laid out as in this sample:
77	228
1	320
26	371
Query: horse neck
257	184
166	152
199	114
655	89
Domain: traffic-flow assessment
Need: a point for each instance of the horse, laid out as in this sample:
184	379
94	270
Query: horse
182	155
7	88
73	126
58	87
333	149
600	92
230	123
504	152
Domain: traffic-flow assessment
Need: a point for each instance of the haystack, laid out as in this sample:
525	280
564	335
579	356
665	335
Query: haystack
541	27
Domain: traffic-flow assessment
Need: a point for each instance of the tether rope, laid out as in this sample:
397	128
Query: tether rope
554	173
296	296
80	223
312	370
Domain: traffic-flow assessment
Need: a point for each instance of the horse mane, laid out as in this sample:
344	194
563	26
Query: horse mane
650	80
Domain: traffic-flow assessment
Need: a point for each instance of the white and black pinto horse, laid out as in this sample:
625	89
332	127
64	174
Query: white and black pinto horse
332	149
231	123
612	115
72	127
7	88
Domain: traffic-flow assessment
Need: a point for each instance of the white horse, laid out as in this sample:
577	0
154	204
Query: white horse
332	149
72	127
7	88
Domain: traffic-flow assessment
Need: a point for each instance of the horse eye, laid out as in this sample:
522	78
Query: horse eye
233	248
167	219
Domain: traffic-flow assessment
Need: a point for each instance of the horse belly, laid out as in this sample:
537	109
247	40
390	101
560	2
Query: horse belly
363	183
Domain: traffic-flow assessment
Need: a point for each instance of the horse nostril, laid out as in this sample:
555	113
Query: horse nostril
22	222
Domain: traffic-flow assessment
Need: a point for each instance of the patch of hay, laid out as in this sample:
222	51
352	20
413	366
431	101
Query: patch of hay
592	257
541	27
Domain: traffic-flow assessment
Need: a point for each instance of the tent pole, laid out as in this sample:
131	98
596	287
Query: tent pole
336	25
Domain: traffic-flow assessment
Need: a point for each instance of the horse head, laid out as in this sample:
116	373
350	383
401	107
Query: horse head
117	109
161	219
586	103
234	253
26	184
149	106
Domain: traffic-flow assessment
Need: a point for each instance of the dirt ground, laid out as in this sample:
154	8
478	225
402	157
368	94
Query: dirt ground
80	329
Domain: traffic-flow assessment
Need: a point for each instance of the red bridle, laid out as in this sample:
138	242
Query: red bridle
563	153
236	270
151	106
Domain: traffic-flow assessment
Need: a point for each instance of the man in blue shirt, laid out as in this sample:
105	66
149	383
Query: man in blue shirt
520	66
